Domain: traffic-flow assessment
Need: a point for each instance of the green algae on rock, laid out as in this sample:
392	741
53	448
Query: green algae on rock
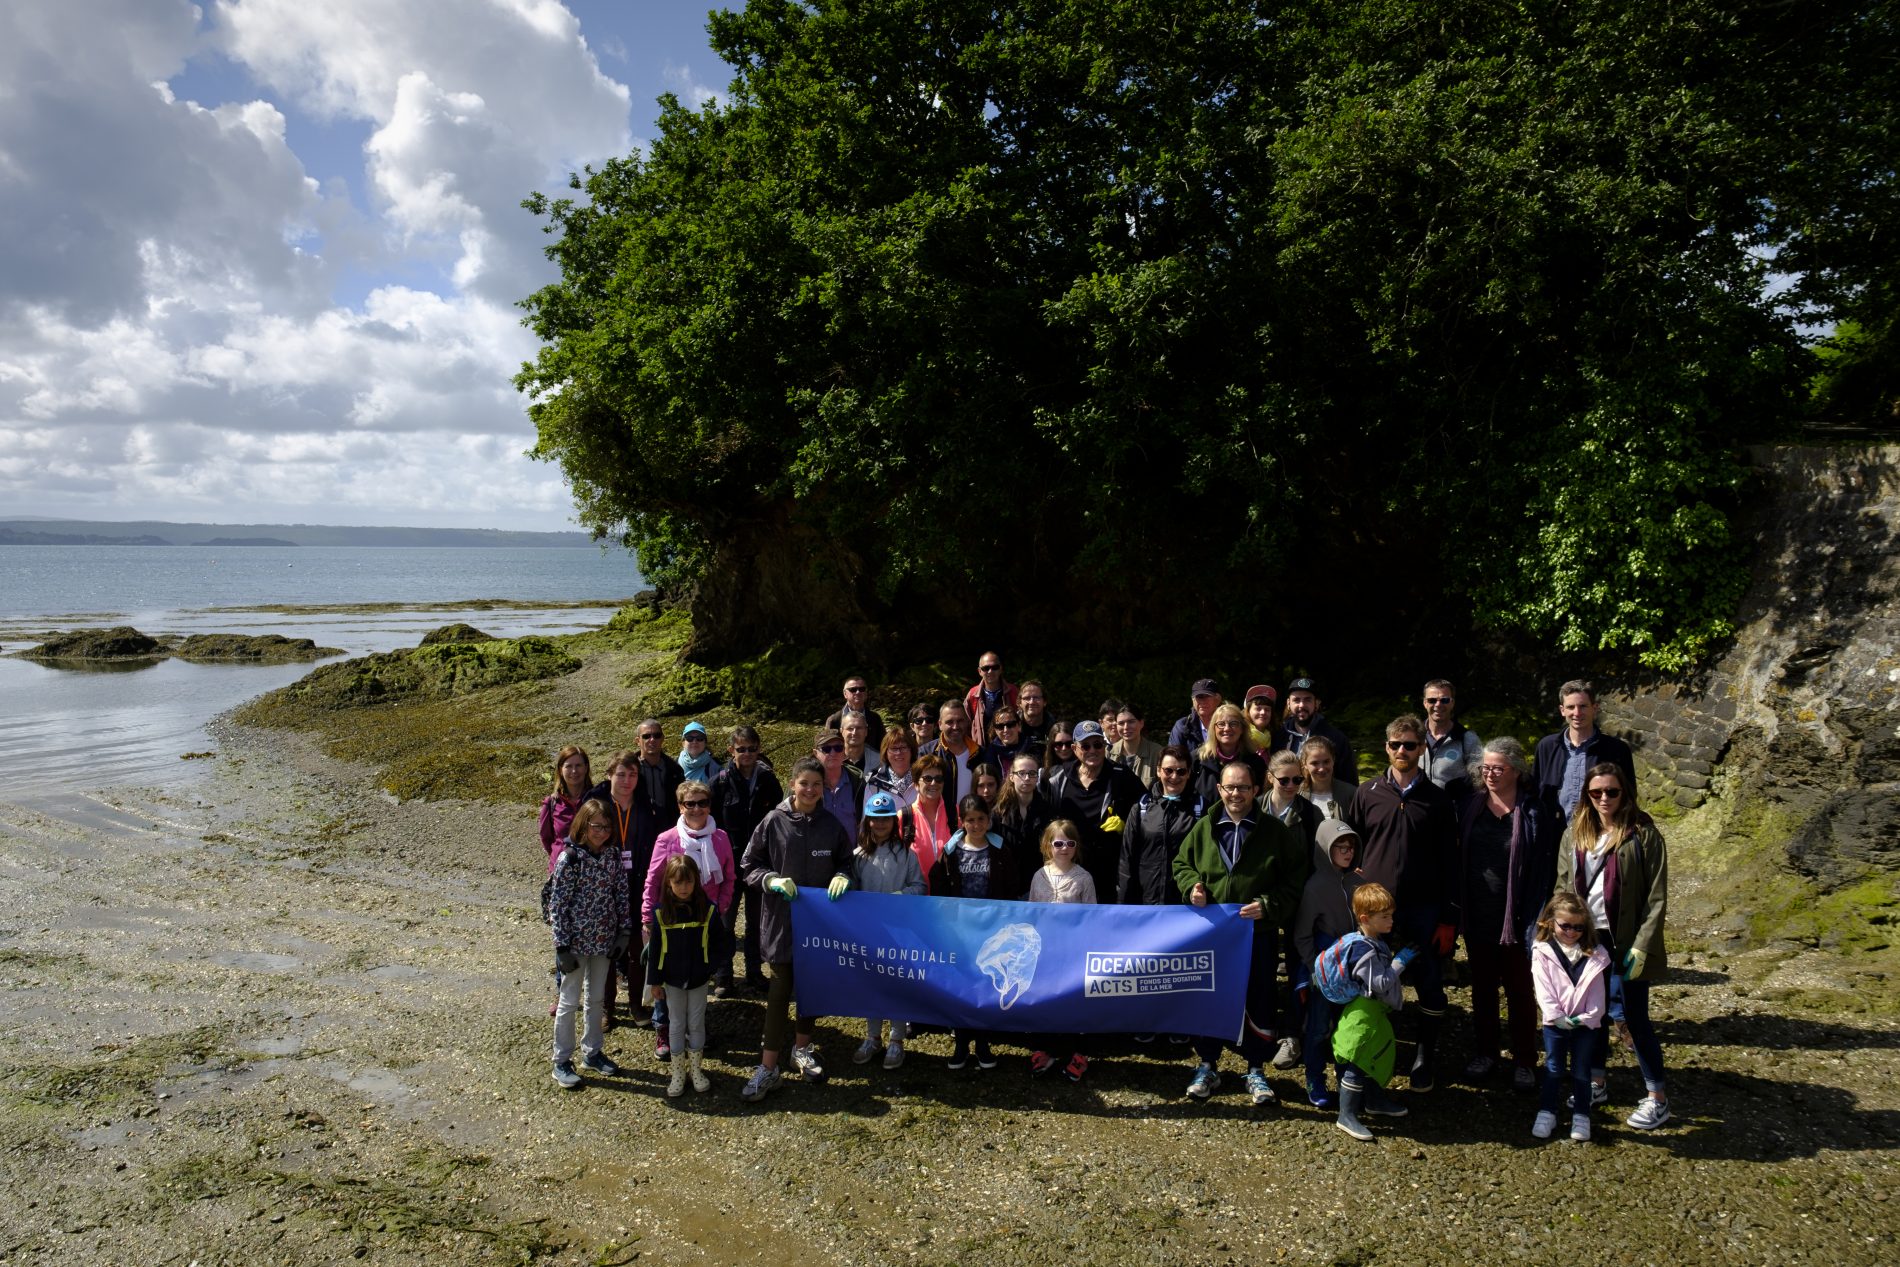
460	631
424	673
224	648
121	642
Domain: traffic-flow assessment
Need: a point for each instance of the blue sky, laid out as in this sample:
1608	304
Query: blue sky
262	255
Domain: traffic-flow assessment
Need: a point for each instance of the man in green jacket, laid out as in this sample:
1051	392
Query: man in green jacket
1237	855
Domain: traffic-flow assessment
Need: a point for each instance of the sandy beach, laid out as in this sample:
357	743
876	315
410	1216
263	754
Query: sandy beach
281	1016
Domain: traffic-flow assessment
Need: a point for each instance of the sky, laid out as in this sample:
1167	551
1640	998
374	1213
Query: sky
259	259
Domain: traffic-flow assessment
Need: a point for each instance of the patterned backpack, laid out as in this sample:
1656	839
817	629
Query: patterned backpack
1332	971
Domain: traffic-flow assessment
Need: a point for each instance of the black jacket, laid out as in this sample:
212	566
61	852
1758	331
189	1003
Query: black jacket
1345	760
1552	754
1115	794
739	811
1151	837
682	951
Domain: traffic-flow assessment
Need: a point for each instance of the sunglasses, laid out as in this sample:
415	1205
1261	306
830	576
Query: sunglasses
1062	844
741	752
1433	701
644	738
1607	793
1007	725
1401	745
854	690
1571	928
831	747
694	804
1293	780
1173	772
931	778
1093	745
988	668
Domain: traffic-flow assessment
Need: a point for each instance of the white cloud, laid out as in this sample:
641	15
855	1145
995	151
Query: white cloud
689	89
168	335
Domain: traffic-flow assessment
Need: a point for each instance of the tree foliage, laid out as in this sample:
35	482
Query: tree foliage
1124	320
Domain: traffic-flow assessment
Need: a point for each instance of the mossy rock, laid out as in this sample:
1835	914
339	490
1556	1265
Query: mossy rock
457	632
433	672
250	649
119	643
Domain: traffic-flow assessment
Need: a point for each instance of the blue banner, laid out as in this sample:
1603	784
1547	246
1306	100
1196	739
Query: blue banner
1022	966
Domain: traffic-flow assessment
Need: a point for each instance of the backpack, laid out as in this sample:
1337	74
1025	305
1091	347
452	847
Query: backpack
1332	970
547	893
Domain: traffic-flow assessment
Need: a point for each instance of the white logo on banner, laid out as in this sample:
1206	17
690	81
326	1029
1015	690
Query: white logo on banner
1009	959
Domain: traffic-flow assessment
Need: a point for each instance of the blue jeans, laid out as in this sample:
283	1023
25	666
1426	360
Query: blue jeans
1633	996
1578	1047
1317	1046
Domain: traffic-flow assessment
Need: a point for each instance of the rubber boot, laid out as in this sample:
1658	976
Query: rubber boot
701	1083
676	1085
1350	1100
1379	1104
1425	1060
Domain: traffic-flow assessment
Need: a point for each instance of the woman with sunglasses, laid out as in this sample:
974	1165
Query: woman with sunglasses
742	795
696	835
927	822
1005	737
1060	752
893	771
1613	857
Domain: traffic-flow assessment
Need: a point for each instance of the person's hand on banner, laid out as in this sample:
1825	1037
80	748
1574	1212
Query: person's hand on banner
1253	910
783	886
839	883
1198	894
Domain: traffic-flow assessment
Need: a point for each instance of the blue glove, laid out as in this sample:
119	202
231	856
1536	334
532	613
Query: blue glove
1404	957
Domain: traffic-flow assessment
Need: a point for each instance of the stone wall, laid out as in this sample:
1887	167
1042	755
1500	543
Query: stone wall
1803	711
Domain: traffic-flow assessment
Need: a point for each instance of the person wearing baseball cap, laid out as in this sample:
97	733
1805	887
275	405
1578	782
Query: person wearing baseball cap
1191	731
883	863
1097	795
1303	720
697	762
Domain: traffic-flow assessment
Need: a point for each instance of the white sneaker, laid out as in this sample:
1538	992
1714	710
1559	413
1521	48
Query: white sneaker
1580	1127
761	1084
1288	1054
1546	1123
805	1061
866	1050
894	1054
1650	1113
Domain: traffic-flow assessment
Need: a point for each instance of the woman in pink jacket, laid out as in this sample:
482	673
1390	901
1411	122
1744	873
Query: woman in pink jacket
1569	972
700	838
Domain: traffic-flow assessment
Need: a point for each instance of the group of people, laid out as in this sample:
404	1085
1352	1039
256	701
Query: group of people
1553	879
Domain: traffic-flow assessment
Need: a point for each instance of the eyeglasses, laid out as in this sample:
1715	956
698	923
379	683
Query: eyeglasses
1499	770
1237	787
830	747
742	752
598	825
1571	928
1062	844
1285	780
1401	745
1606	793
694	804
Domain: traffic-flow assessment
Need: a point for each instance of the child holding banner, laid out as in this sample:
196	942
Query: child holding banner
974	864
799	844
884	863
1061	880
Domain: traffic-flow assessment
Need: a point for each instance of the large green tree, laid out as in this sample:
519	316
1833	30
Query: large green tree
1124	321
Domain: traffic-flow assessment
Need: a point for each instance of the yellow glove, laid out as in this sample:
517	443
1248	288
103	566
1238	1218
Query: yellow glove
1112	823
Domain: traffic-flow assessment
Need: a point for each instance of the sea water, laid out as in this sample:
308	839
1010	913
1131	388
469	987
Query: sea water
72	729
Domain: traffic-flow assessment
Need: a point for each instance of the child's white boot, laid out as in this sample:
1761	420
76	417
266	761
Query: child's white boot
676	1085
701	1083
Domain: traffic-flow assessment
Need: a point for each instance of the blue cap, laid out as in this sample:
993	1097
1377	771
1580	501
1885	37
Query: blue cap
1087	730
881	805
693	728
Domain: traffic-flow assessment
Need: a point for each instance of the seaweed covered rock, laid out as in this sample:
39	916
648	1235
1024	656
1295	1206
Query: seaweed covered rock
432	672
222	648
460	631
121	642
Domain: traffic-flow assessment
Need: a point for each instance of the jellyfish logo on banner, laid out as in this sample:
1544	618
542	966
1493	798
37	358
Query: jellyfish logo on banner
1009	958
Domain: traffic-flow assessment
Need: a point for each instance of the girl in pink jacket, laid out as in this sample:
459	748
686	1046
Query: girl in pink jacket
1569	973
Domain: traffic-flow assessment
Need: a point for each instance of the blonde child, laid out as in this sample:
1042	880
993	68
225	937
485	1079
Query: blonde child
1569	972
1363	1043
686	938
884	863
1061	880
587	905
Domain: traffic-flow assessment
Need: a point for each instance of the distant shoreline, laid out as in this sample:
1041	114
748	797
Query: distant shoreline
160	533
